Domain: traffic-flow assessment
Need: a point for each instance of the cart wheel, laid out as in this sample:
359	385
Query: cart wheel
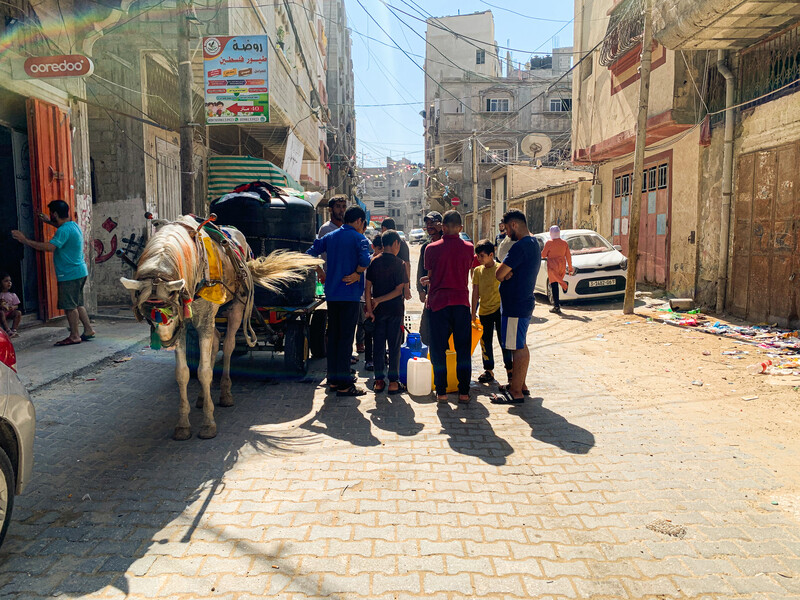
192	349
295	350
319	322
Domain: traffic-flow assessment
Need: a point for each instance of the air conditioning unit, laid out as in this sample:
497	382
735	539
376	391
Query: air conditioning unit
596	195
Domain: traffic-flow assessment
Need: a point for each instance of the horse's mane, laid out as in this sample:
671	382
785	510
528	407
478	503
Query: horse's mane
170	254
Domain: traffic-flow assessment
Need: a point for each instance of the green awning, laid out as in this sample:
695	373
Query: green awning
228	172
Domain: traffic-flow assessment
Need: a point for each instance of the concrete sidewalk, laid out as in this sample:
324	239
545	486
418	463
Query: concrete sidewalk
39	362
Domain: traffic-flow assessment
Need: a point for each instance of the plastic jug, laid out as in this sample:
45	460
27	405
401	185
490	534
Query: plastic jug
420	373
452	376
477	333
412	348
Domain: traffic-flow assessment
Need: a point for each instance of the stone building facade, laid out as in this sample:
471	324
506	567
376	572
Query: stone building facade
473	89
394	191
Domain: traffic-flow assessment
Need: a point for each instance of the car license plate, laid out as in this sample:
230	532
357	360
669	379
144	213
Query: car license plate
602	282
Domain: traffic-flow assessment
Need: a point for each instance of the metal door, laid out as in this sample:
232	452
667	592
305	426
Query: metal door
535	215
52	178
168	180
560	210
765	270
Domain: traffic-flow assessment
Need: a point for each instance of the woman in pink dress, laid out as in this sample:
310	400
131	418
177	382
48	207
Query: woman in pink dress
556	252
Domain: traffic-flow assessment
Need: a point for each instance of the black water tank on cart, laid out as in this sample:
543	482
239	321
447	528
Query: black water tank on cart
272	222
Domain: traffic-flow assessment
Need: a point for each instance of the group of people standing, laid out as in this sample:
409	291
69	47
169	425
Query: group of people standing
502	298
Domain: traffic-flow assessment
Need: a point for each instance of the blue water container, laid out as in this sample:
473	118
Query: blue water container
413	347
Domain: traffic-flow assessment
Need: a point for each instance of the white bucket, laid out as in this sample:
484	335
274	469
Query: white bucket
420	372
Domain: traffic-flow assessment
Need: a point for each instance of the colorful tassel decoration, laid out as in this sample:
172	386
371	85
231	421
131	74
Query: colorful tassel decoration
155	341
187	308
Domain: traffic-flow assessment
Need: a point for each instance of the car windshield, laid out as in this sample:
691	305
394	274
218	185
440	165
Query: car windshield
416	231
588	243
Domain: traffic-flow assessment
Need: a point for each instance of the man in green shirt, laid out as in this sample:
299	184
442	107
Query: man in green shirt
71	272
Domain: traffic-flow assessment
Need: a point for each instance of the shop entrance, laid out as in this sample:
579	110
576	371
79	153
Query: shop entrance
16	208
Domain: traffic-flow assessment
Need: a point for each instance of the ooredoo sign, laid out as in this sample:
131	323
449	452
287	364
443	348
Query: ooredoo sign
64	65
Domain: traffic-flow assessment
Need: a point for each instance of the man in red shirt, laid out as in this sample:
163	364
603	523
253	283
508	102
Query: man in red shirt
448	262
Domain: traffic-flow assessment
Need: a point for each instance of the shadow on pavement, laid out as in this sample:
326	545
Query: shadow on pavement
111	490
395	414
551	428
340	418
471	434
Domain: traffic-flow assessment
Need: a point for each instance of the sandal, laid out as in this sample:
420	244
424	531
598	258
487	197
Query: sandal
86	338
463	398
486	377
350	392
379	386
400	389
66	342
506	389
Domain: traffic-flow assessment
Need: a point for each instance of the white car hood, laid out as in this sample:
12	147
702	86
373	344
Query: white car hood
599	260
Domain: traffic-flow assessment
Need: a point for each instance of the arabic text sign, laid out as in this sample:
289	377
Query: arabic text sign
236	79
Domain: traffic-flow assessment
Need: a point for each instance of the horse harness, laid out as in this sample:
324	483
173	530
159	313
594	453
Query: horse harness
161	312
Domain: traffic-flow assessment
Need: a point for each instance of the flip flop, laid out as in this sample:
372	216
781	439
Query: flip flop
86	338
350	392
400	389
66	342
379	386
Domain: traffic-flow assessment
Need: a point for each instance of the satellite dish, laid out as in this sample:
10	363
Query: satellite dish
536	145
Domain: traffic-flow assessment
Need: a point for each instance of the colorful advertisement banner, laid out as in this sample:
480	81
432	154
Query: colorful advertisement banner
236	79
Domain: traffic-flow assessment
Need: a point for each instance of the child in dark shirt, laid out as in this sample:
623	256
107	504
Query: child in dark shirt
385	281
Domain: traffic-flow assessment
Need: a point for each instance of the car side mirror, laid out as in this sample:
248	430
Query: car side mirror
617	247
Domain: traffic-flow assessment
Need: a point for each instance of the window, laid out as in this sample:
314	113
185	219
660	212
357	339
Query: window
380	203
644	181
480	57
662	176
487	194
617	187
626	184
651	179
413	183
497	105
560	104
392	193
379	184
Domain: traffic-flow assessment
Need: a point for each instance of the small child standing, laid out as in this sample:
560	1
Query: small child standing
9	306
369	326
385	281
486	291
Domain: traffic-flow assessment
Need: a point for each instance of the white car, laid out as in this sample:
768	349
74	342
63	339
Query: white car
600	268
417	236
402	235
17	426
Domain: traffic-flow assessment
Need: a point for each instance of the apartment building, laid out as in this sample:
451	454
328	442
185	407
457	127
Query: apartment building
517	113
729	244
395	191
341	98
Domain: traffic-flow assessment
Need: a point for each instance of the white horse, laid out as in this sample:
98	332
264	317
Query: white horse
172	270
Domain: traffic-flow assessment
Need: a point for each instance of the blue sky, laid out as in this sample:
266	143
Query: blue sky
384	75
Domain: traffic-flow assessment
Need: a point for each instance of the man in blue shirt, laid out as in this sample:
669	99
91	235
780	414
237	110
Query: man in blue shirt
517	276
348	258
71	272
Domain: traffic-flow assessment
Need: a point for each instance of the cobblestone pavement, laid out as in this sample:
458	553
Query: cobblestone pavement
301	496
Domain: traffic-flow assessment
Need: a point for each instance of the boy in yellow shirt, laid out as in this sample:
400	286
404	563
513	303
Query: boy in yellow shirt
486	292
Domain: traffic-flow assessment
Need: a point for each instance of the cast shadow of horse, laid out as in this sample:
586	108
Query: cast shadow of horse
110	487
551	428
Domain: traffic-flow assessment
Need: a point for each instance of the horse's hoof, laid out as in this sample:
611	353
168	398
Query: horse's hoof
199	403
182	433
225	400
207	432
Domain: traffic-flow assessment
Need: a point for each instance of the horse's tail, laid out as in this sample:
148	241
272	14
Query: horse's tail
281	267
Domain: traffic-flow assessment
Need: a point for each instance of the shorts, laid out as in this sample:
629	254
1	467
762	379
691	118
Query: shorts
514	332
70	293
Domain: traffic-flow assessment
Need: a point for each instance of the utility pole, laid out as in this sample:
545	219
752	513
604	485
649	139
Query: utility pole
474	142
638	160
185	100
